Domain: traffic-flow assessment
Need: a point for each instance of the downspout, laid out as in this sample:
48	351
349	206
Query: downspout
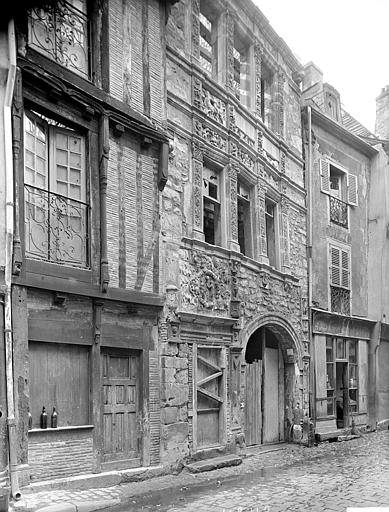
309	264
9	221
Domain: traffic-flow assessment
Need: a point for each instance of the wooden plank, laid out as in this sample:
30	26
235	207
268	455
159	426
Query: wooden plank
209	378
46	329
320	374
207	363
271	395
209	394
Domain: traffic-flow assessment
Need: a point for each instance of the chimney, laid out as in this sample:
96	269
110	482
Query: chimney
312	75
382	114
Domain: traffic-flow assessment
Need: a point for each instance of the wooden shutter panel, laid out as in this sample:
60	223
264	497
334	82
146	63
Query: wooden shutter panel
335	266
352	189
325	175
345	269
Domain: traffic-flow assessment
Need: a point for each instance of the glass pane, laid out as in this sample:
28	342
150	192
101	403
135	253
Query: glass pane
340	348
353	383
353	351
330	376
61	141
330	350
353	394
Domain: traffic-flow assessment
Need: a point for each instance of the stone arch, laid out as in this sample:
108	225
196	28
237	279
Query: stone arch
282	329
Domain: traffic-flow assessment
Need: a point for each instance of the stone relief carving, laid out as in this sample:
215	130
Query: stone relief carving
197	193
210	135
260	142
242	156
213	107
282	162
197	150
281	81
258	92
233	184
205	283
231	118
197	92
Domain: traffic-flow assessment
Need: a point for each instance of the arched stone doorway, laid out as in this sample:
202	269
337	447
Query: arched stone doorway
273	381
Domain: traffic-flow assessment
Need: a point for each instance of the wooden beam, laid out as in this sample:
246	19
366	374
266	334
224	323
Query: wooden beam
205	362
210	377
209	394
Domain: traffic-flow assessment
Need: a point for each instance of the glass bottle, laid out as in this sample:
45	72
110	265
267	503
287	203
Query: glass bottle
43	418
29	420
54	418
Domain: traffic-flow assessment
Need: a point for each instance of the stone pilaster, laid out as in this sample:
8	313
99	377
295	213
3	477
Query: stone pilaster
260	238
196	29
284	235
258	74
197	184
230	51
232	207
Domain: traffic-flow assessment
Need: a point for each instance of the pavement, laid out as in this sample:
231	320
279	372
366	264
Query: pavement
288	478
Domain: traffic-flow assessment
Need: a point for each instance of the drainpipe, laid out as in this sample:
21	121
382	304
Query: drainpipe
309	264
9	221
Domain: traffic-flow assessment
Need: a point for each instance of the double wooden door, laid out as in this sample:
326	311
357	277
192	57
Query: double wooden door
121	425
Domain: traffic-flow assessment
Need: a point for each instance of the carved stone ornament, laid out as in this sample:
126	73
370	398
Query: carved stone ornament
230	51
197	92
233	185
282	162
242	156
264	280
197	150
196	28
231	118
210	135
205	284
213	107
260	141
197	193
258	72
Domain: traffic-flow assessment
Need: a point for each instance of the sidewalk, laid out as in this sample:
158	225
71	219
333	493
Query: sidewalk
73	500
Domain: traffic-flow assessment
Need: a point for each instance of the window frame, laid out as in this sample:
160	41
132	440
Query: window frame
276	220
211	200
244	200
212	16
344	272
243	47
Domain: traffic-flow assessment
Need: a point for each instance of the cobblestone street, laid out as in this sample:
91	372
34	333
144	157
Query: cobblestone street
330	477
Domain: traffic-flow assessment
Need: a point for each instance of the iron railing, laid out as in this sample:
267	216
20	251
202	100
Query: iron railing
338	212
61	32
56	227
340	300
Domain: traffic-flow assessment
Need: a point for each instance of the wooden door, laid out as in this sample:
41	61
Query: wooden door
253	403
271	427
210	396
121	407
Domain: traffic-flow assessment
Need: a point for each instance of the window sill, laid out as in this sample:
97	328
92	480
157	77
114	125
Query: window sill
79	427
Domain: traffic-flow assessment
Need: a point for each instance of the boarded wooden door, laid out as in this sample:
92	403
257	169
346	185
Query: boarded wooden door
271	428
253	403
121	407
210	396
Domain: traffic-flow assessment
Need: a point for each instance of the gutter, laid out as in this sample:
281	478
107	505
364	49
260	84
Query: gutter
9	221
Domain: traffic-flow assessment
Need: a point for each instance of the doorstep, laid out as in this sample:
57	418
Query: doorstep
97	480
214	463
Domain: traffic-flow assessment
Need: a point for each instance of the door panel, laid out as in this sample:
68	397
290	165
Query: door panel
121	406
271	432
253	403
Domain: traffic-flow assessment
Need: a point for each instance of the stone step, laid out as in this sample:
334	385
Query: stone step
215	463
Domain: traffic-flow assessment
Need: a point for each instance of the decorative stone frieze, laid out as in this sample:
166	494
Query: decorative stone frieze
205	283
210	135
213	107
242	156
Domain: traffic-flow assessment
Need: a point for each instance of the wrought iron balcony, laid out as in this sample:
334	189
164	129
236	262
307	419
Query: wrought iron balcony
56	227
61	32
338	212
340	300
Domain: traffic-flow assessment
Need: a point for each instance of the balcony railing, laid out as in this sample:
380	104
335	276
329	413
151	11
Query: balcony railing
340	300
61	32
338	212
56	227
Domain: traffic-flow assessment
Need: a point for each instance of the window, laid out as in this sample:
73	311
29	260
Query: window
353	375
330	361
266	95
55	208
340	280
270	214
59	377
208	38
342	188
211	203
242	70
61	32
244	220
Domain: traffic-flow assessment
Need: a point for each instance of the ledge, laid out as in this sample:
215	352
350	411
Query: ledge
61	429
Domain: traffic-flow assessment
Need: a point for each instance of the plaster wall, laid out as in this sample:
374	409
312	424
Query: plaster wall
383	381
3	81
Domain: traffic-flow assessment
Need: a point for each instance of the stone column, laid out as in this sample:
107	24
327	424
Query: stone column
197	188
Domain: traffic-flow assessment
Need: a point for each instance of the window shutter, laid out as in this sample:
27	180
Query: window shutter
352	189
335	266
345	269
325	175
69	158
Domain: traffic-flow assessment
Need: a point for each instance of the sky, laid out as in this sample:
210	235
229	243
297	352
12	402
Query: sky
347	39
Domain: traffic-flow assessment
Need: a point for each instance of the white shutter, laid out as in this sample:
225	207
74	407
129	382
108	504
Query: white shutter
325	175
335	266
345	269
352	189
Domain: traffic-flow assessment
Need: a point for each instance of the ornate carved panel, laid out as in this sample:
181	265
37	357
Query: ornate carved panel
205	284
285	243
233	184
197	152
210	135
242	156
282	162
230	51
258	91
262	220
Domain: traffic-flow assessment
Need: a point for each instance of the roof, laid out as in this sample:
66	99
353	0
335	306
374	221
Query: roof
354	126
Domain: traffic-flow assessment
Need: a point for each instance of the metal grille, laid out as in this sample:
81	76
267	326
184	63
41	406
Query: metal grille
340	300
338	212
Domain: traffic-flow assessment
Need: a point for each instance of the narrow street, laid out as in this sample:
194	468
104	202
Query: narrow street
331	477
